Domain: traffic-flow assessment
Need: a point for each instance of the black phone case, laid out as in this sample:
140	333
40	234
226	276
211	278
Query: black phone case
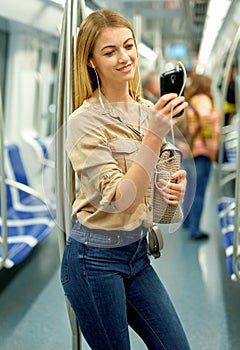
172	81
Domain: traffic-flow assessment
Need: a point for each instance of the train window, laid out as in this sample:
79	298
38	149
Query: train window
52	93
45	92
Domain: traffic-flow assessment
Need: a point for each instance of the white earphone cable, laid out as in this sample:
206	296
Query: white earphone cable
173	105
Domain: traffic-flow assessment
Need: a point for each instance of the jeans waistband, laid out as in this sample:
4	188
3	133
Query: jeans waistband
104	238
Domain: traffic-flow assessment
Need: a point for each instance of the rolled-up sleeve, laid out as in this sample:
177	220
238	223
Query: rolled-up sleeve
92	159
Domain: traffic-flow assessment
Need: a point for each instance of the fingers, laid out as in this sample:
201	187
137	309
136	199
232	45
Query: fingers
173	193
168	105
172	197
179	176
171	103
179	108
164	101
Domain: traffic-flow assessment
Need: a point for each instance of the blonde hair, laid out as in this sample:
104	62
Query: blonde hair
90	29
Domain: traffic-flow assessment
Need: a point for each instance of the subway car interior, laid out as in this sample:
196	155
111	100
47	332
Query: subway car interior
37	38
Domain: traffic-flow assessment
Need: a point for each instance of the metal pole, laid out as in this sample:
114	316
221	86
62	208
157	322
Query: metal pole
63	176
59	142
236	245
3	238
232	52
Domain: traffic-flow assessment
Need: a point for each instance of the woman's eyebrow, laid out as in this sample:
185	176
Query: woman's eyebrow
112	46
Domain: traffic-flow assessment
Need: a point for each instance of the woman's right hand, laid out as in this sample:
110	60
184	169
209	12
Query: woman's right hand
159	122
171	101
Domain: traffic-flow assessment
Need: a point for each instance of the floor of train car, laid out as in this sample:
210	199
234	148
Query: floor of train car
33	315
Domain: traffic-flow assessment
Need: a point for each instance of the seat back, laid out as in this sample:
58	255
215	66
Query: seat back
15	169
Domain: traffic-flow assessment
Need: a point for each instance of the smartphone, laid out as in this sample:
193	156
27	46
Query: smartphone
172	81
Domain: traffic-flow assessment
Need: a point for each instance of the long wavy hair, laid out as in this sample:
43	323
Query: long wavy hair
90	29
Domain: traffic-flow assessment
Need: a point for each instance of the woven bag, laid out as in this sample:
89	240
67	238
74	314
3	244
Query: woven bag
169	162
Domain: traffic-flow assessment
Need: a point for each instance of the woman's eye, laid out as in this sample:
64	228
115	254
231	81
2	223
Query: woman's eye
129	46
109	53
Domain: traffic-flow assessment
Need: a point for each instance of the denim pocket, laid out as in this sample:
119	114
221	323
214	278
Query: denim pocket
65	276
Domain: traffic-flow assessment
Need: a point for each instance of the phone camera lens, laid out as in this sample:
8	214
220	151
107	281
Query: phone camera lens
173	78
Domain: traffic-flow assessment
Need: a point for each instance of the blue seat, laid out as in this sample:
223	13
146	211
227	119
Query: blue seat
15	170
226	210
30	217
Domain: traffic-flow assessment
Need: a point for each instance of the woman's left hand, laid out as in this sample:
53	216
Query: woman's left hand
173	192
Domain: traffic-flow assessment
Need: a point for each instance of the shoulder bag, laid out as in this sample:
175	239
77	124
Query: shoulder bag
169	162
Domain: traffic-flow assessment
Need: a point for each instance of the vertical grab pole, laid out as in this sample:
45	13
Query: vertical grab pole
76	334
58	141
3	238
63	173
236	250
236	244
232	52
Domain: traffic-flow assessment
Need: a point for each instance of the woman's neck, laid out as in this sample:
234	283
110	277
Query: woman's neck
117	95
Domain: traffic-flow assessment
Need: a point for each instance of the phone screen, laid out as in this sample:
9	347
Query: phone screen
172	81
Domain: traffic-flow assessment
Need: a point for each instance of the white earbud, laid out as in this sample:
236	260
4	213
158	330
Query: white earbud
99	89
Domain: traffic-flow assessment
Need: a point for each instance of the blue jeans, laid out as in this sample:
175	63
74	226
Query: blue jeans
111	288
197	179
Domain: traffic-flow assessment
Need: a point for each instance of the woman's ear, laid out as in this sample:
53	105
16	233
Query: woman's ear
90	64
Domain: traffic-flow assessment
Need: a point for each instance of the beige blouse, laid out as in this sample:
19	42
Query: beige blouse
101	148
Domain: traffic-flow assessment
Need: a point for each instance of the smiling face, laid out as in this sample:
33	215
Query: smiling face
114	56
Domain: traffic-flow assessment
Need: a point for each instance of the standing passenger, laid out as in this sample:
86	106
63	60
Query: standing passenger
113	141
151	85
201	128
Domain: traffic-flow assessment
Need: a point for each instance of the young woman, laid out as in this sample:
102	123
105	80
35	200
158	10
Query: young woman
113	141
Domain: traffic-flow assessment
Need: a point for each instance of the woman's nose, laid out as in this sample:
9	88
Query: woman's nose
123	56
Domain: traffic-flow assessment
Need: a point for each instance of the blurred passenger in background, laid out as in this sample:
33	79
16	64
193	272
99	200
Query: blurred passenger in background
200	126
230	103
151	85
191	71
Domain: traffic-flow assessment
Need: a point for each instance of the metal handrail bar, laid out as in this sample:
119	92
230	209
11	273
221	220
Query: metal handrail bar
73	10
236	245
68	104
27	189
229	61
59	169
227	211
3	239
76	334
227	178
236	252
59	142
